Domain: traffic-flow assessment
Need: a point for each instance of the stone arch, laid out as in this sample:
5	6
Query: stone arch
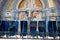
39	3
21	4
10	4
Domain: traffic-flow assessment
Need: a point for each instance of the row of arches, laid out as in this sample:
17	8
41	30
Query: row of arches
21	4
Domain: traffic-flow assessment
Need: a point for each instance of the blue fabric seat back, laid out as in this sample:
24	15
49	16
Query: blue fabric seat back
59	28
7	26
12	27
33	26
24	26
42	28
2	28
52	28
